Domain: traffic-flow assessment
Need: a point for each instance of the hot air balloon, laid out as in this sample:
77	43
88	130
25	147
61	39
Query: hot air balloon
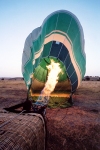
60	38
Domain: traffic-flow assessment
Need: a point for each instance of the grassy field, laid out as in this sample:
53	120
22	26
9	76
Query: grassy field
73	128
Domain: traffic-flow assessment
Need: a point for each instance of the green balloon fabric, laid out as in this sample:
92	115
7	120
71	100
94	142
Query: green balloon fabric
60	38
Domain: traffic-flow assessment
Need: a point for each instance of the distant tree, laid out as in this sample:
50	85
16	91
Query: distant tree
87	78
2	79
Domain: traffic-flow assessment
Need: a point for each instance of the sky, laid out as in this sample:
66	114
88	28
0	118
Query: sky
19	17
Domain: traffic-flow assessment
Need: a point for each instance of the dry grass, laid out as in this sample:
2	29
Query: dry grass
74	128
78	127
11	92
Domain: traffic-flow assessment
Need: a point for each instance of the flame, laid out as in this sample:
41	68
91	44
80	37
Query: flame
52	79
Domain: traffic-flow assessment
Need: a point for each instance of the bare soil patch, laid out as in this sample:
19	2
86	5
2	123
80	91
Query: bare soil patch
12	92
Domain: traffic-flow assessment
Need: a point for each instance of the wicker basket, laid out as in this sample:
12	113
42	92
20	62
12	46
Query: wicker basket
26	132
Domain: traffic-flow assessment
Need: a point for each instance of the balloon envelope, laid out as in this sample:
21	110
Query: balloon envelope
60	38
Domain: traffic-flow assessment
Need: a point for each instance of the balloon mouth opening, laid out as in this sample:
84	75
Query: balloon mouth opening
43	70
61	90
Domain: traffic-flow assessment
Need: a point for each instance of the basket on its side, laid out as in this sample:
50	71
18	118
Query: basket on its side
26	132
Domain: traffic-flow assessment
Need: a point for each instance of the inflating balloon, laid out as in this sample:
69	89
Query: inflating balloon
60	38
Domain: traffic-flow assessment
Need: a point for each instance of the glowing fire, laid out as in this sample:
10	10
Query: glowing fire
52	79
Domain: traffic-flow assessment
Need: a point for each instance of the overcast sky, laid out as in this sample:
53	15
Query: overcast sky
19	17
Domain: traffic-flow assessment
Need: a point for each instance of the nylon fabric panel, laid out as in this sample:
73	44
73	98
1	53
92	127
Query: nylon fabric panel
54	51
40	74
64	22
74	86
63	53
46	49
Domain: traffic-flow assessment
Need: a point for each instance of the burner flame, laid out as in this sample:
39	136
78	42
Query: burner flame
52	79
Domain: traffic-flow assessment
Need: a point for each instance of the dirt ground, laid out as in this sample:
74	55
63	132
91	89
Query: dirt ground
73	128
